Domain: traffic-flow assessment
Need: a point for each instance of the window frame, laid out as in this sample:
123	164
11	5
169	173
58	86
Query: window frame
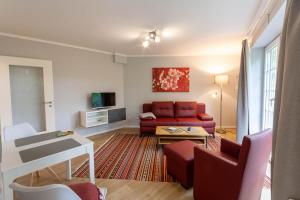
269	67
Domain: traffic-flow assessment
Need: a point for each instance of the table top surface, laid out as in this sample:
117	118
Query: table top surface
11	158
196	131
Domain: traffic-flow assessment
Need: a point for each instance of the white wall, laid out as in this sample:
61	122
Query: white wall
76	73
138	83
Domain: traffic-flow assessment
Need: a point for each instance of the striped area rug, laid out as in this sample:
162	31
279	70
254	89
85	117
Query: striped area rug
128	156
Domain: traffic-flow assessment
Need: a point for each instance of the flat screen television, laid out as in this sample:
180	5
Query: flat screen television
103	99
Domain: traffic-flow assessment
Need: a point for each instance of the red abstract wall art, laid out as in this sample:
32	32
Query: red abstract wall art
171	79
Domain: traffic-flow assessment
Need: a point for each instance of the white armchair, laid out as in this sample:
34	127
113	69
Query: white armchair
79	191
49	192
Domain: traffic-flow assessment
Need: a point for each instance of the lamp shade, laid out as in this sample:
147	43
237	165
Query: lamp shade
221	79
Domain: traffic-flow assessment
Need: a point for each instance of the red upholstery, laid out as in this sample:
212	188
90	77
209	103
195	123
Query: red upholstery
194	122
86	191
159	122
236	171
185	109
180	161
163	109
204	117
200	108
230	148
168	113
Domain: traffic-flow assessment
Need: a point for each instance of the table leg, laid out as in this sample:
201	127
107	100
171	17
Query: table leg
68	170
7	193
206	141
91	164
165	168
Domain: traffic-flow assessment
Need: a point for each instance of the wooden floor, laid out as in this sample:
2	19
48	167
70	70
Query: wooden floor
230	134
119	189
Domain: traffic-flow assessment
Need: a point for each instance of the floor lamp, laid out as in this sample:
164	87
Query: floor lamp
221	80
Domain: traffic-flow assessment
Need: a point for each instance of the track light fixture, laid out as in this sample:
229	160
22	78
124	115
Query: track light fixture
151	37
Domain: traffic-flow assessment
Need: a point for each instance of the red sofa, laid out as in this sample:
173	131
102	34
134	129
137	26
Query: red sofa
169	113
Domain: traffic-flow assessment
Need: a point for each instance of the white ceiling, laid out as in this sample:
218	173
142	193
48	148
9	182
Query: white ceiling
189	27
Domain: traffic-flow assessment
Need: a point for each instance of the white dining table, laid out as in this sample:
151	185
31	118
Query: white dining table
14	166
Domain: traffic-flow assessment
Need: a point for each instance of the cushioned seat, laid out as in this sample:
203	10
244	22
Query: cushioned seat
180	161
159	122
86	191
194	122
168	113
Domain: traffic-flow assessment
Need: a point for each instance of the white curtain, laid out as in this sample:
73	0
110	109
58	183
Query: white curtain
242	100
286	138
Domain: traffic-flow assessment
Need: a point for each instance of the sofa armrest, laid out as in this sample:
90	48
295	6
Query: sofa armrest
230	148
205	117
213	171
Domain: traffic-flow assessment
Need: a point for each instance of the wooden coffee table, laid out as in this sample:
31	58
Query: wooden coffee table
197	134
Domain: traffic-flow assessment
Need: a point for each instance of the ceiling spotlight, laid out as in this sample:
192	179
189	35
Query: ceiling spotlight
146	43
157	39
151	37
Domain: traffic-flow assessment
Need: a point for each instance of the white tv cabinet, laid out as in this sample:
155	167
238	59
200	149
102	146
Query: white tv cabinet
93	118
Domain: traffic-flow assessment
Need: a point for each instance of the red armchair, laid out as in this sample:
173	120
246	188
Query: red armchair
235	172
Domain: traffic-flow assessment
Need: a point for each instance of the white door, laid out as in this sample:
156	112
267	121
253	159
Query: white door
26	92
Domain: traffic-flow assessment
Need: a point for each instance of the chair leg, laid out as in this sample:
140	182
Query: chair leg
37	173
31	179
164	168
51	171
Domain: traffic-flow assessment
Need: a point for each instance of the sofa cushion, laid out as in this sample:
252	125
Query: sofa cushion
147	107
194	122
163	109
86	191
180	151
185	109
159	122
205	117
200	108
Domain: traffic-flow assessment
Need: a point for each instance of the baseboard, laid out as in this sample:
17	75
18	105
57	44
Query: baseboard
135	126
132	126
105	131
111	129
226	127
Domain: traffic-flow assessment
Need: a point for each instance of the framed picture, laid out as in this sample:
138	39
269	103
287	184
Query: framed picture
171	79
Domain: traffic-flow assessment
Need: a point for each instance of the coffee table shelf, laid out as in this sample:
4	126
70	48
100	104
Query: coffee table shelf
197	135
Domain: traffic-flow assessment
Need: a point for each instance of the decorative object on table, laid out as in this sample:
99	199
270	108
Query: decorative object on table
147	115
175	79
172	129
64	133
221	80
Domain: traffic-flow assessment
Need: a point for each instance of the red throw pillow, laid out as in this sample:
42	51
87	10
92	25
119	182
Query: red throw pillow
86	191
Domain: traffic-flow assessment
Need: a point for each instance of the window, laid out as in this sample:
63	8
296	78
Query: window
271	62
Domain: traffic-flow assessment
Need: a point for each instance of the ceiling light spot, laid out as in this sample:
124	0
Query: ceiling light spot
146	44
